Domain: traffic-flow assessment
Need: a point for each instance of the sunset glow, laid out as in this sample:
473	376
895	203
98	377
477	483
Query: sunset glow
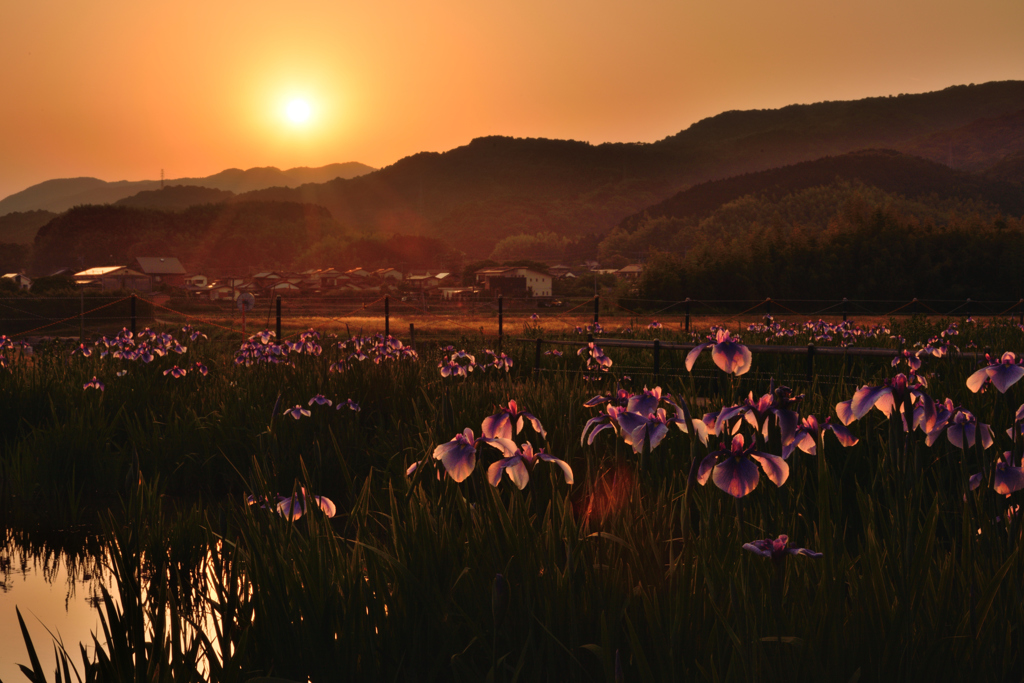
121	90
298	111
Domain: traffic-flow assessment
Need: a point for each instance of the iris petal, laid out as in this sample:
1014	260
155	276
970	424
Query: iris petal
731	357
736	476
775	467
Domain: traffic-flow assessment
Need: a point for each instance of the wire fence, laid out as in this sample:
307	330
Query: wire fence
92	315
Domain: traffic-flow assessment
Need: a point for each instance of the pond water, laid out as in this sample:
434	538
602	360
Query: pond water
55	579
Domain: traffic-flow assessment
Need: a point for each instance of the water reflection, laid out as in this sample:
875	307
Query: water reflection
55	577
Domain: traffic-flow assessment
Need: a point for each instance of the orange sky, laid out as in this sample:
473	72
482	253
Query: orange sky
118	89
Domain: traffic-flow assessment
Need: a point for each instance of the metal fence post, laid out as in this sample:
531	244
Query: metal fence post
501	319
278	337
768	307
412	336
597	309
133	314
687	314
810	363
387	316
657	356
967	308
846	308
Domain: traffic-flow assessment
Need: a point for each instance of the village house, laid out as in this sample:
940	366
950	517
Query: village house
113	277
222	292
386	274
630	272
426	281
23	281
165	270
325	278
514	281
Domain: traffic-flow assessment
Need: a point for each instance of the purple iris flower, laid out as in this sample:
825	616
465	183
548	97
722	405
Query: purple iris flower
620	398
733	471
1002	374
93	384
911	359
636	428
726	350
777	550
597	424
655	325
298	412
175	372
1005	479
888	396
457	365
294	506
534	317
201	369
459	455
595	357
1017	430
756	413
500	424
554	353
502	362
519	465
348	403
644	403
961	427
321	400
810	430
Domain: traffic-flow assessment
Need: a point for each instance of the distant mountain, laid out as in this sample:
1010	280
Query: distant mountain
232	236
974	147
1009	168
21	227
494	187
888	170
474	196
176	197
61	195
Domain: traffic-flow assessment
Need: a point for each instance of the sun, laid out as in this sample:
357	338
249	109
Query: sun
298	111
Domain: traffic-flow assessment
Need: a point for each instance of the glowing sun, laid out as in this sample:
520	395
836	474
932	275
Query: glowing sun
298	111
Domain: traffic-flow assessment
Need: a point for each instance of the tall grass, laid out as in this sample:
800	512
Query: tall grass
629	574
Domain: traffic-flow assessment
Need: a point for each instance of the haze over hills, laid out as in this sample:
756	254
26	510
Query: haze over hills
62	194
473	197
479	193
978	146
888	170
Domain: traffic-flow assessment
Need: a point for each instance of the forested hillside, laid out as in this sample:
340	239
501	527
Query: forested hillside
888	170
828	242
495	187
236	236
176	197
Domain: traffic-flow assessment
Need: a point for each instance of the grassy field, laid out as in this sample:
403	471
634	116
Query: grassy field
634	571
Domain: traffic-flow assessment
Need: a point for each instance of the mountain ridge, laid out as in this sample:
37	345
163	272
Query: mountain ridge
61	194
